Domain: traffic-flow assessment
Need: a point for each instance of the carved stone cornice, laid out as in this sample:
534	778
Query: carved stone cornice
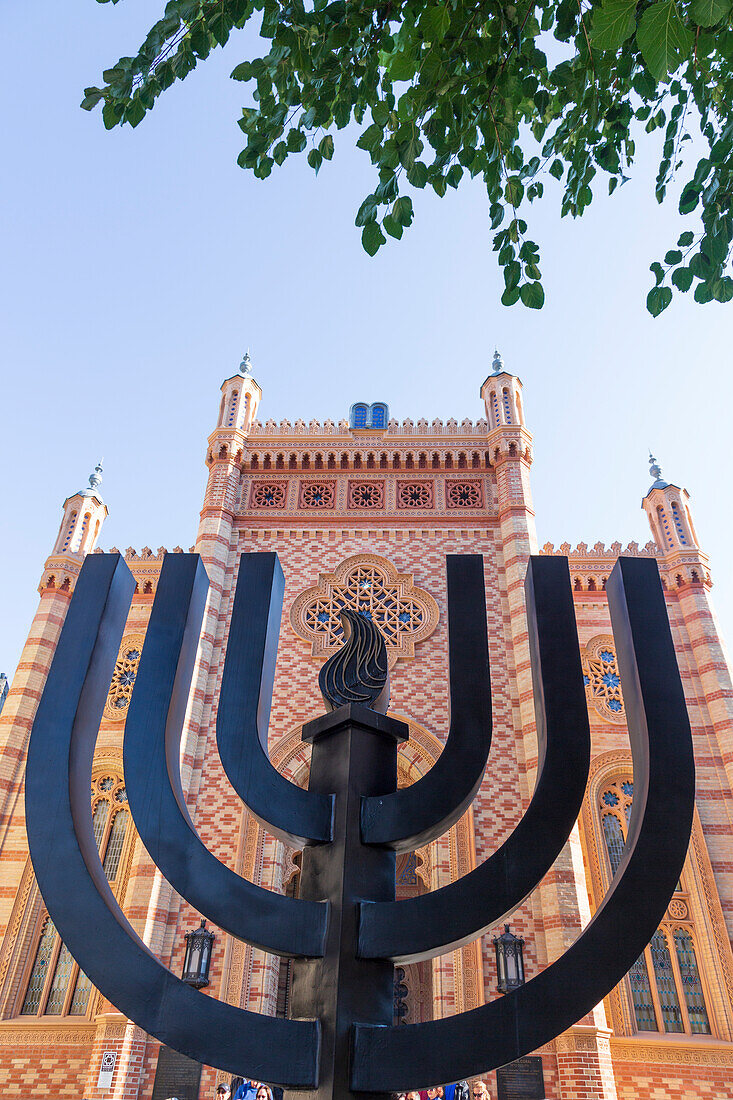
702	1052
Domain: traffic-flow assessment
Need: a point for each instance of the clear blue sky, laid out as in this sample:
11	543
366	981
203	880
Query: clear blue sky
139	265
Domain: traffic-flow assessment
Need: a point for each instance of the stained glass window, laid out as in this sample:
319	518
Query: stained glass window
39	973
614	840
641	995
60	982
691	984
57	987
666	988
665	983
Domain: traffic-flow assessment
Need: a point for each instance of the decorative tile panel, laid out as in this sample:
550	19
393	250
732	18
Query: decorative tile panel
414	494
366	494
466	493
268	494
371	586
317	494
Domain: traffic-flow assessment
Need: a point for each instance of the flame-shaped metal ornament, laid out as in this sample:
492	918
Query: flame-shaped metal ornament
358	671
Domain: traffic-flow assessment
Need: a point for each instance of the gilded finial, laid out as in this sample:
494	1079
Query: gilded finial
498	362
246	365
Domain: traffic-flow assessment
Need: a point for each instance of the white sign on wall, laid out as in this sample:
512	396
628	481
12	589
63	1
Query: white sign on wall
107	1069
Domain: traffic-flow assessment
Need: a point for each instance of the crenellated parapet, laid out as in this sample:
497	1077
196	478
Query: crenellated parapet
590	566
284	429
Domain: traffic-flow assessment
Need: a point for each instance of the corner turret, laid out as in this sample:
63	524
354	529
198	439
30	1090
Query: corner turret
668	511
84	514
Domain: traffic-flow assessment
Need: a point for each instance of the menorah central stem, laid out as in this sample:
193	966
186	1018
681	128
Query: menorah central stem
354	754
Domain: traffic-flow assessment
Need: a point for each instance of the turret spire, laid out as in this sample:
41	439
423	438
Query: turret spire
246	365
497	362
95	478
656	471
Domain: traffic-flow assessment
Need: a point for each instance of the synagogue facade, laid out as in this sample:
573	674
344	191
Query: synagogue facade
362	513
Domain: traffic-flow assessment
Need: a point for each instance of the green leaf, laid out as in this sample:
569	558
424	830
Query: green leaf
682	278
512	274
496	213
135	113
367	212
242	72
402	211
510	296
673	257
686	238
434	22
514	190
658	299
724	289
402	66
707	13
372	237
410	150
704	293
664	40
315	160
296	141
418	174
613	23
325	147
689	199
557	169
392	226
657	271
533	296
91	98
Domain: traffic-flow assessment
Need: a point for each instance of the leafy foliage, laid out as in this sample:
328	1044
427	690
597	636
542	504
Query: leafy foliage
448	89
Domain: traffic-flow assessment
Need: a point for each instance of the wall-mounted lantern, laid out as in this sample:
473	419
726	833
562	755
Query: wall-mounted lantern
197	959
509	960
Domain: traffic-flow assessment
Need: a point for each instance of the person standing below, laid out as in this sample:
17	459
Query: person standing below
223	1091
480	1091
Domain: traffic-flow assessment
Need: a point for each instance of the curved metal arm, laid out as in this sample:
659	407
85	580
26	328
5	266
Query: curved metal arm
71	878
267	920
418	814
664	791
431	924
288	812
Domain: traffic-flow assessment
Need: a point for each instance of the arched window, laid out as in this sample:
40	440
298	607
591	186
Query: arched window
678	524
507	405
69	531
56	986
495	409
665	983
379	415
664	526
358	417
83	532
232	408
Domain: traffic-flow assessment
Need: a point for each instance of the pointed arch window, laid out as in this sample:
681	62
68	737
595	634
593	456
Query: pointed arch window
56	985
665	982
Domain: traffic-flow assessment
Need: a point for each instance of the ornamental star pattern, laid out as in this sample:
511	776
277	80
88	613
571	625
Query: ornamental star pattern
602	680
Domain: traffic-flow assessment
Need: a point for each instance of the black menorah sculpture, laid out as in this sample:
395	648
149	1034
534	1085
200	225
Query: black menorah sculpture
346	932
